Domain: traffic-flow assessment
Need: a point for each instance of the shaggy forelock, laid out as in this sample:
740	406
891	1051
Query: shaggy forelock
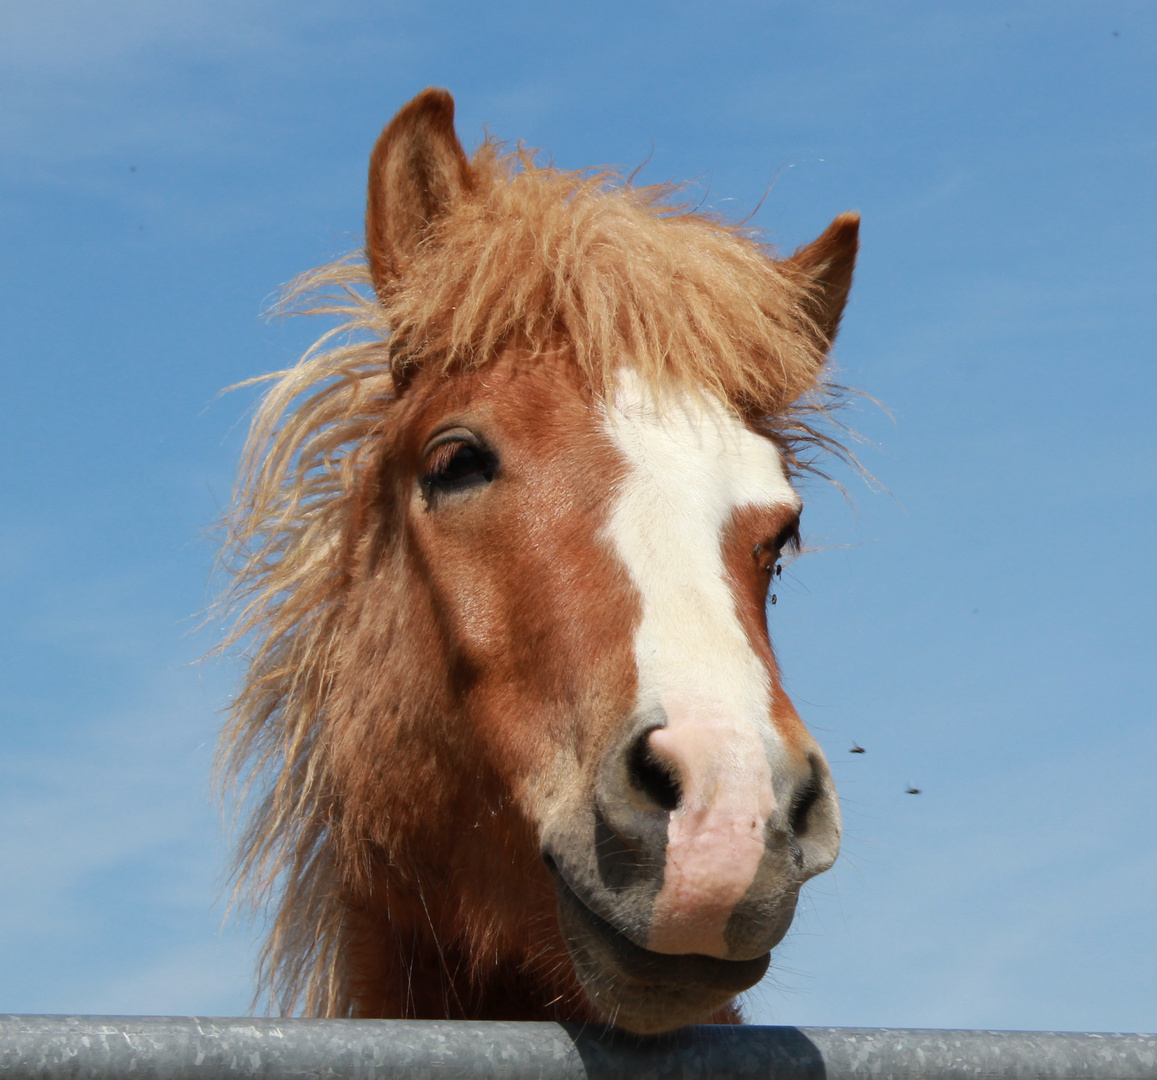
625	274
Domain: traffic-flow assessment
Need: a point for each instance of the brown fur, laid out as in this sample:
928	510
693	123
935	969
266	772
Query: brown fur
403	879
751	573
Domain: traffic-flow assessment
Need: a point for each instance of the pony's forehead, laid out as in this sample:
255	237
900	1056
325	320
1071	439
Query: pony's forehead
660	424
687	436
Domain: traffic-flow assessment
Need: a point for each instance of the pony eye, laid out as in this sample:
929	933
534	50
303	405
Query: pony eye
768	553
788	539
456	465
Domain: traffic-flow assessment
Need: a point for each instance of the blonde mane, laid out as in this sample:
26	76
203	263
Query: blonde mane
535	254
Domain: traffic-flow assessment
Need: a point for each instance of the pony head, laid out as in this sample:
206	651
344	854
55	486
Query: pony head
503	553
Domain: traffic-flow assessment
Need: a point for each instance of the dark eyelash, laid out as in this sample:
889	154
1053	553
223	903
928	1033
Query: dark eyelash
456	465
788	539
439	461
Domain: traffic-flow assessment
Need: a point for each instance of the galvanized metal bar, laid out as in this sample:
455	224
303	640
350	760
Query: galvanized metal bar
194	1048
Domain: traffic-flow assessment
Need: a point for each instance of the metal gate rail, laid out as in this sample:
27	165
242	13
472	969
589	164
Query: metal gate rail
195	1048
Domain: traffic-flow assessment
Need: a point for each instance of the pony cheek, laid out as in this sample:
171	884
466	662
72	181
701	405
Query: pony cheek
546	712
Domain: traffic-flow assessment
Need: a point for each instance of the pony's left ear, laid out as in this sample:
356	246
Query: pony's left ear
825	267
418	170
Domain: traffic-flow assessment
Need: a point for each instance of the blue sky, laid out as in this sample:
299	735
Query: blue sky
983	627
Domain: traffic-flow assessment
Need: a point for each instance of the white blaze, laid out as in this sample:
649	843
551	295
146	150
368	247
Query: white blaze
692	464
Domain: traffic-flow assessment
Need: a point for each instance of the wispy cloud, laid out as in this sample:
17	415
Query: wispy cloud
82	40
115	858
83	78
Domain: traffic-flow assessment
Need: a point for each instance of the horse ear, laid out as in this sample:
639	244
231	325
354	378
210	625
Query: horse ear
418	170
826	265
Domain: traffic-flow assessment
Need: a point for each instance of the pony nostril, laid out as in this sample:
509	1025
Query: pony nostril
813	821
809	808
651	776
799	820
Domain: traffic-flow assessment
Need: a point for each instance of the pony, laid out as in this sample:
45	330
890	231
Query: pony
511	732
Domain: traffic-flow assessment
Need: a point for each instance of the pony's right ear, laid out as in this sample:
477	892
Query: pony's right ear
418	170
825	268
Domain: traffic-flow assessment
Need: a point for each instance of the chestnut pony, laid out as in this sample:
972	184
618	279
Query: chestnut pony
503	544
